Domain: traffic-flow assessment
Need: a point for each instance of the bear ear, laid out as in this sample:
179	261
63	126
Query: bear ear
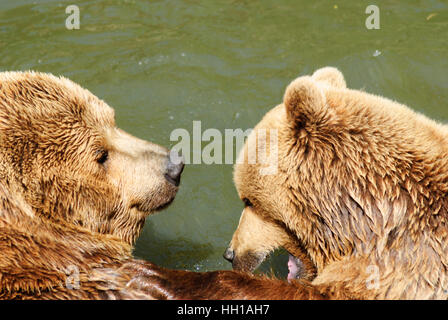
330	76
305	103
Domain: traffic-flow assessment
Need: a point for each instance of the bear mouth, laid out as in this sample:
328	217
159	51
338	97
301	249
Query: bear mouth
147	208
296	268
164	205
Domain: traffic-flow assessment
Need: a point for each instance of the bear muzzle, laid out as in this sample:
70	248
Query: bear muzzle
174	168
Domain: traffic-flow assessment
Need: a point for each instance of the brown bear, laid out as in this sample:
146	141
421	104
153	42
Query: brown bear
359	197
361	186
75	191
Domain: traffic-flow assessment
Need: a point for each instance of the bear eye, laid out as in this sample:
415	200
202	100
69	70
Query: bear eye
102	156
247	203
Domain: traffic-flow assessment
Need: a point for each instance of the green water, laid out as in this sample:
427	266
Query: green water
163	64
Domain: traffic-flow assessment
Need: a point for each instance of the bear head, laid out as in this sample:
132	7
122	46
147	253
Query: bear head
61	151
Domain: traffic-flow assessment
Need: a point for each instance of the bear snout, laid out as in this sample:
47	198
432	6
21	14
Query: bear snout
229	254
174	168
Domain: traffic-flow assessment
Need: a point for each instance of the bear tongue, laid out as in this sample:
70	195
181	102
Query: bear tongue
293	268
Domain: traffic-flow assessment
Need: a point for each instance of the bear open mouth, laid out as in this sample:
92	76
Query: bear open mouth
296	269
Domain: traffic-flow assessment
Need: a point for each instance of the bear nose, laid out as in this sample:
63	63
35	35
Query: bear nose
174	168
229	254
